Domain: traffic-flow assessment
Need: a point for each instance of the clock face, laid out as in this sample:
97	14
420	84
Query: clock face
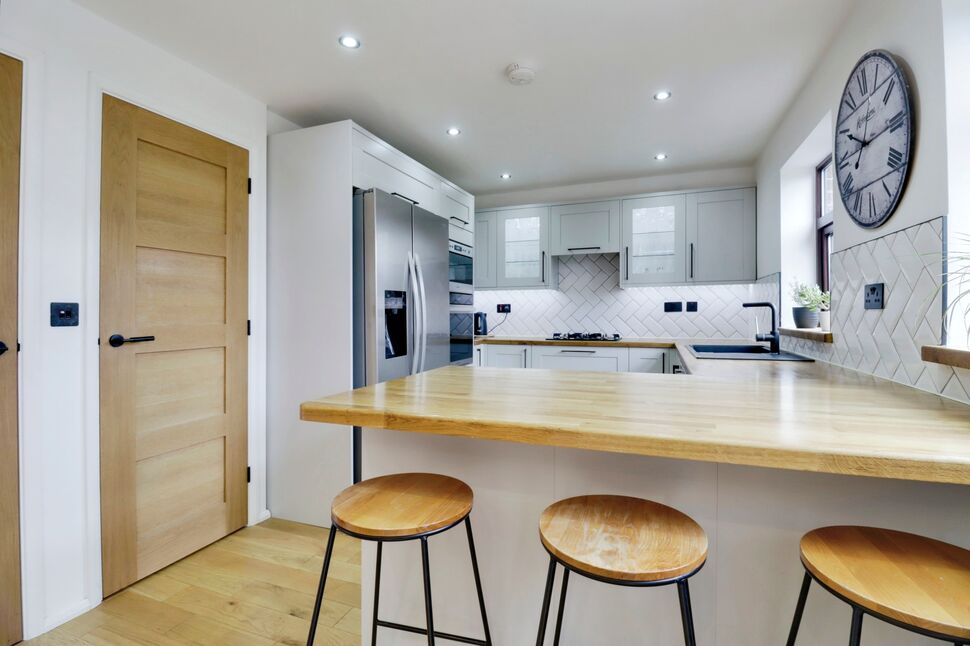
874	139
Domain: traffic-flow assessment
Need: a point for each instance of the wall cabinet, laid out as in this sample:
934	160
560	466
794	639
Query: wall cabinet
581	358
584	228
486	274
522	248
721	233
654	235
507	356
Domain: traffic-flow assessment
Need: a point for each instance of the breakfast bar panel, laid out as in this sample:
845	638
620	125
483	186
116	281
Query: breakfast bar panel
809	417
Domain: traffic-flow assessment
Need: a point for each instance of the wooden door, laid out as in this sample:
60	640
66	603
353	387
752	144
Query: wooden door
11	88
174	220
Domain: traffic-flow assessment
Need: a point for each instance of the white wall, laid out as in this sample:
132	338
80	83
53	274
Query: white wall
596	190
276	123
913	31
71	56
956	41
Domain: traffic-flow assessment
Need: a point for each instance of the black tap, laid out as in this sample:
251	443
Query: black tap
773	337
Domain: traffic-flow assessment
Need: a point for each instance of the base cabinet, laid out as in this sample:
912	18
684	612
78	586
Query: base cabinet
507	356
648	360
581	358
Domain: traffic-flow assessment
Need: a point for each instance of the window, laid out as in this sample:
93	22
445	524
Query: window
824	227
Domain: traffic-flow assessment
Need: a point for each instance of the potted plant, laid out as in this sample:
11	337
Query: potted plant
808	299
824	312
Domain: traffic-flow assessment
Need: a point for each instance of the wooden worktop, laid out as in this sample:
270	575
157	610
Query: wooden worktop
622	343
802	416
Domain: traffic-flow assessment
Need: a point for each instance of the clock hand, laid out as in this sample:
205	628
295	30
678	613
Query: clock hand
865	131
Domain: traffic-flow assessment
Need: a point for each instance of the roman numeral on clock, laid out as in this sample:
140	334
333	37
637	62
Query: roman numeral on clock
847	183
858	202
895	158
889	91
872	206
849	101
897	121
863	83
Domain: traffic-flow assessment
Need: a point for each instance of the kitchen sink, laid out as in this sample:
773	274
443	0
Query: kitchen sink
742	351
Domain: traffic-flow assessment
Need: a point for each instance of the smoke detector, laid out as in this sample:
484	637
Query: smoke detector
519	75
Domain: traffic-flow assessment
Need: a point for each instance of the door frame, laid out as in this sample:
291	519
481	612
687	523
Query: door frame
32	306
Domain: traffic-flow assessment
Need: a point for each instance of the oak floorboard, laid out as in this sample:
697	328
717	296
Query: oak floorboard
254	587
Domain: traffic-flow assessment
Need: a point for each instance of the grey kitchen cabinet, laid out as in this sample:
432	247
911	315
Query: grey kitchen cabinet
654	236
478	357
507	356
593	227
581	358
484	250
649	360
721	236
522	248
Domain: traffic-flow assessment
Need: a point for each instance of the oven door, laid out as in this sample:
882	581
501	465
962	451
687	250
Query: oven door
462	337
461	272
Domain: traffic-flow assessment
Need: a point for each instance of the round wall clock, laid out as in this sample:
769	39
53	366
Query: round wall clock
874	139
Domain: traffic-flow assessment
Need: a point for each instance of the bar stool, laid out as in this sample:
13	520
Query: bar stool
622	541
403	507
915	583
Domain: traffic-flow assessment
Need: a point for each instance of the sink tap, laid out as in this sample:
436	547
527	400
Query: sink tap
773	338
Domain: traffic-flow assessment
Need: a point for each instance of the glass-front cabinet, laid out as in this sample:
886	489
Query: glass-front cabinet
522	241
654	236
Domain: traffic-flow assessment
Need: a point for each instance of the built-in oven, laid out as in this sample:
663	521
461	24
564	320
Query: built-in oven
462	319
461	271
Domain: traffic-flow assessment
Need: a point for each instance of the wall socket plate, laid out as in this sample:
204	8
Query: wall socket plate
673	306
874	295
504	308
64	314
691	306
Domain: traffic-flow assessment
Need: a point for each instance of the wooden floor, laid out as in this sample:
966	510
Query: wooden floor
253	587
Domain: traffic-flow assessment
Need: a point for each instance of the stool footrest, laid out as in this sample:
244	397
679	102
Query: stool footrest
437	634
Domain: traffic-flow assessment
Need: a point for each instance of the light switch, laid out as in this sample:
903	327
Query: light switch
64	314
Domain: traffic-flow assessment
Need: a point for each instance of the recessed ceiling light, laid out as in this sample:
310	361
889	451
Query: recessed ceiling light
348	41
660	156
506	175
453	131
662	95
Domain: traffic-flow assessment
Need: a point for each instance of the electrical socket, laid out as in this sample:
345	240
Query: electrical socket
504	308
875	296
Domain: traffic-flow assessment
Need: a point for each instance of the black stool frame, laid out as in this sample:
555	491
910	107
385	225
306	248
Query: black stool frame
683	593
429	630
858	612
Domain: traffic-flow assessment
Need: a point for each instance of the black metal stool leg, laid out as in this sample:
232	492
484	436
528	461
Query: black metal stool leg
377	594
547	597
686	615
323	582
478	580
427	589
799	609
855	634
562	605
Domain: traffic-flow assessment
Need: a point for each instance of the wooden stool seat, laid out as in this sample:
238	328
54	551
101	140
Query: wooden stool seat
401	505
622	538
910	579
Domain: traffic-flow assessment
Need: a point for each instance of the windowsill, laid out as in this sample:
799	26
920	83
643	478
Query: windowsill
809	334
946	356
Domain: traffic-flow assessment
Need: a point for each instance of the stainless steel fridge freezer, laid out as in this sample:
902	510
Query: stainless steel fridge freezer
401	318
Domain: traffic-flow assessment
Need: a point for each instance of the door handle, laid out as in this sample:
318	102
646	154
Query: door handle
578	351
424	313
543	262
459	219
626	259
406	198
118	340
692	260
3	347
582	248
416	309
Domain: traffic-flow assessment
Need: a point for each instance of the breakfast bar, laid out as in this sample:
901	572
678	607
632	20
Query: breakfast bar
757	452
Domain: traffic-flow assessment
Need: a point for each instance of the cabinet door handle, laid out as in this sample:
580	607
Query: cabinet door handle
692	260
578	351
543	262
582	248
626	259
117	340
663	363
454	218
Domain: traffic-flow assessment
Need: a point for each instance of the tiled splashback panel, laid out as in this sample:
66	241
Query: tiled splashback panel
589	299
887	342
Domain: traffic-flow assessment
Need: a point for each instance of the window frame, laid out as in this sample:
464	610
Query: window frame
824	228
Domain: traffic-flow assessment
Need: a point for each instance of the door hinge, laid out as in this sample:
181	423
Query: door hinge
249	327
249	185
249	474
18	346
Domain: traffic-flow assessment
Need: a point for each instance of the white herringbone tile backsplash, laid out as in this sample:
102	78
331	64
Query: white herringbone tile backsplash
590	299
887	342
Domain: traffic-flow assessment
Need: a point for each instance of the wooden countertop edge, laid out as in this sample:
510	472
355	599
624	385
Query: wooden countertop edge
810	334
946	356
842	463
622	343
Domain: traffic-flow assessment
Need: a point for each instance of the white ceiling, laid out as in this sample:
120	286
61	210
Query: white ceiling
734	66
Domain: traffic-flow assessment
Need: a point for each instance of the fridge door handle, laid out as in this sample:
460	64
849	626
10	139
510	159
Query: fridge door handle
424	313
416	310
